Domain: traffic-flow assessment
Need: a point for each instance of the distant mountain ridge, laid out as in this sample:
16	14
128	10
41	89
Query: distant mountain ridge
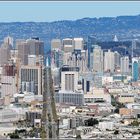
125	27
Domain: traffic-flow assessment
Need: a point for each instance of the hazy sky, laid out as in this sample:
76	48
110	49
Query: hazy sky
51	11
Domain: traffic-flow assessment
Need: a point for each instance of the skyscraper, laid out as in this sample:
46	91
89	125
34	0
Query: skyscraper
117	59
36	46
56	77
78	58
33	59
32	74
97	59
124	64
29	47
91	41
109	61
23	51
9	40
78	43
67	45
135	69
66	57
8	81
57	58
56	44
69	78
4	53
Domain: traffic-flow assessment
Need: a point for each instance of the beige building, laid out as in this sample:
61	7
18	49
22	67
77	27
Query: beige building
126	98
8	88
56	44
8	85
4	54
125	111
97	95
67	45
29	47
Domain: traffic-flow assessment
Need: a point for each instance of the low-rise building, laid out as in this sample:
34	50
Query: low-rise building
106	125
126	98
97	95
125	111
70	97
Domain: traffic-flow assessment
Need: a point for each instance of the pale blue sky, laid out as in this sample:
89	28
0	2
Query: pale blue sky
52	11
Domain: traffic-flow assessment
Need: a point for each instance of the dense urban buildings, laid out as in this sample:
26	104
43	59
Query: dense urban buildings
96	90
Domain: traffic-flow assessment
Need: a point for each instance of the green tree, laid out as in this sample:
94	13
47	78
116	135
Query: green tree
116	132
78	137
14	136
135	123
116	110
91	122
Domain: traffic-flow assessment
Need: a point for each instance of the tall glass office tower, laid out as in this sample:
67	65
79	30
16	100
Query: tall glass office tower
91	42
135	69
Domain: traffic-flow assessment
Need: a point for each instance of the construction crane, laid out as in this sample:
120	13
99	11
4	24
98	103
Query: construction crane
50	123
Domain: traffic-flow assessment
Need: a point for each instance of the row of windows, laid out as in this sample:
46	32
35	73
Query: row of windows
69	82
29	75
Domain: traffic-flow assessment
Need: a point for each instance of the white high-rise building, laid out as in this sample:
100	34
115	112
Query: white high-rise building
125	64
109	60
97	59
69	78
78	43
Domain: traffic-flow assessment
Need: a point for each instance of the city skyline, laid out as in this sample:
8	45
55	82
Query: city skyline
70	78
38	11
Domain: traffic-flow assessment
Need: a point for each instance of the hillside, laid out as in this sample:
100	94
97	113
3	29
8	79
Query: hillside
125	27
